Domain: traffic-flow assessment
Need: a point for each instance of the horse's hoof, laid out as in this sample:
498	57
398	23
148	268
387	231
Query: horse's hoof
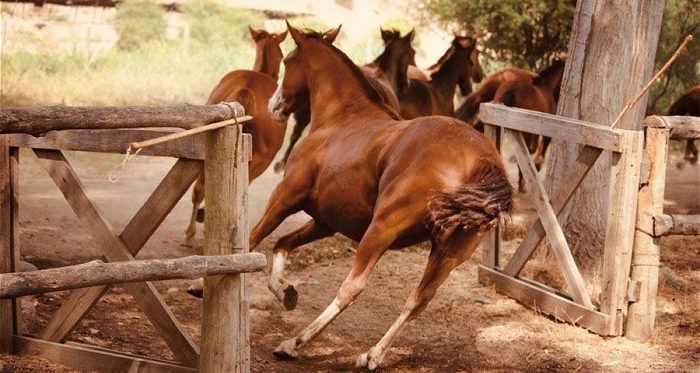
291	297
286	350
196	288
200	216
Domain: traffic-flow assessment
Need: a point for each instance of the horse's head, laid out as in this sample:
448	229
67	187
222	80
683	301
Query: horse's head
476	73
398	54
293	93
268	53
463	57
550	78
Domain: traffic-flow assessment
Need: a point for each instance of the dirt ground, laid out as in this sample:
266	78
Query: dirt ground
466	328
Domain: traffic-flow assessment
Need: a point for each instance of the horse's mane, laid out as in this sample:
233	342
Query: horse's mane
448	53
392	33
372	94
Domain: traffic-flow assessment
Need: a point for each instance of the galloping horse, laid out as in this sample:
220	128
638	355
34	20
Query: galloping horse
540	95
688	104
435	97
377	79
253	90
384	182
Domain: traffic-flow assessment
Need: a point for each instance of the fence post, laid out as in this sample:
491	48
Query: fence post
9	255
225	327
641	314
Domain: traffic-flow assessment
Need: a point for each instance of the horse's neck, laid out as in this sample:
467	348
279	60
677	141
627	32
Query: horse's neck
263	64
344	98
445	78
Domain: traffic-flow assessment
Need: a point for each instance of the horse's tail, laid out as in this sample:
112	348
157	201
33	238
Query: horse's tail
486	92
478	203
467	112
508	98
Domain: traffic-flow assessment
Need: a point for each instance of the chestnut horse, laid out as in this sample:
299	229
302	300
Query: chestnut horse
688	104
377	79
253	90
541	95
384	182
435	97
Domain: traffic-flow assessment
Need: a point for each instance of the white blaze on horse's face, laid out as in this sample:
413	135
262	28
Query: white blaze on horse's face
276	105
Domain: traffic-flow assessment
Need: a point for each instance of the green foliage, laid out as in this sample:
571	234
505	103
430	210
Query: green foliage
681	18
217	25
139	23
347	4
525	33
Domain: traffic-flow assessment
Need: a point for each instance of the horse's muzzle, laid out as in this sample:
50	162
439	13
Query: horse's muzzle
276	106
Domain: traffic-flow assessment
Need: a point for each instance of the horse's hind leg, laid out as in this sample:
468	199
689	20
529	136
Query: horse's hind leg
444	257
279	285
691	152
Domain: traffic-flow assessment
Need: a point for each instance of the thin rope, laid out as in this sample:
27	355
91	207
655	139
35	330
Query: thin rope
654	79
119	169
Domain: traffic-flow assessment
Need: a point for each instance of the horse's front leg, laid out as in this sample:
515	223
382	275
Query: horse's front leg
370	249
278	284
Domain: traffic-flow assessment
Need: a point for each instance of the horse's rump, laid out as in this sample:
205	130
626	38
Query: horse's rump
479	202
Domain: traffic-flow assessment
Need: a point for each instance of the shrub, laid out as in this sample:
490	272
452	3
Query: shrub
139	23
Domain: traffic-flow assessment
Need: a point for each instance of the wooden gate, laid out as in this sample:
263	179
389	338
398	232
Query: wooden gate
123	246
576	307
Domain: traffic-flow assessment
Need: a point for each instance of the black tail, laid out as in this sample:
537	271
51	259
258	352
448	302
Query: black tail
478	203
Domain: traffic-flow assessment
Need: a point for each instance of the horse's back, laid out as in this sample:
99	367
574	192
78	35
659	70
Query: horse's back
687	104
253	90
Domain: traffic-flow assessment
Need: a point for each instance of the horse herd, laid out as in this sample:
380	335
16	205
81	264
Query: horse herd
387	160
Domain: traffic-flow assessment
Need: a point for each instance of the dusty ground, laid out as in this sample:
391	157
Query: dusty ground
466	328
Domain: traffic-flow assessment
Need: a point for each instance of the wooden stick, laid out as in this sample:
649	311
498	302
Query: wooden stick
189	132
99	273
653	80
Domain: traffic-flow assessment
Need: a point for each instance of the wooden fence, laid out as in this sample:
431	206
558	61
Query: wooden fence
227	154
630	261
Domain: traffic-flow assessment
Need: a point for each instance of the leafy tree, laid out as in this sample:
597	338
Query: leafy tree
138	23
215	24
681	18
525	33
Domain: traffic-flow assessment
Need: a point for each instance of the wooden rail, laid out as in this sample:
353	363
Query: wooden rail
97	272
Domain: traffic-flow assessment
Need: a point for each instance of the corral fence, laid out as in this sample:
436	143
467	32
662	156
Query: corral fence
49	131
631	251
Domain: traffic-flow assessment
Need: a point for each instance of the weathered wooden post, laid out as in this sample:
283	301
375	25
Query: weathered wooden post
225	326
641	313
9	257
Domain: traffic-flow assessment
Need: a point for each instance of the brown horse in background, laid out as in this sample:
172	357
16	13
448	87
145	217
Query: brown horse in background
487	91
688	104
253	90
540	95
435	97
384	182
476	73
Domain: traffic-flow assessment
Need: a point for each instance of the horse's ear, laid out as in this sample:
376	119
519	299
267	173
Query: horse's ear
386	35
280	37
330	35
412	34
296	34
255	33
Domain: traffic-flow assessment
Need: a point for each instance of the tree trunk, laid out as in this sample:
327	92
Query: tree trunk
611	57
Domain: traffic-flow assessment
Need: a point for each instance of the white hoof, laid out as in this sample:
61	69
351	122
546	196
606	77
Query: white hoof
369	360
286	350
